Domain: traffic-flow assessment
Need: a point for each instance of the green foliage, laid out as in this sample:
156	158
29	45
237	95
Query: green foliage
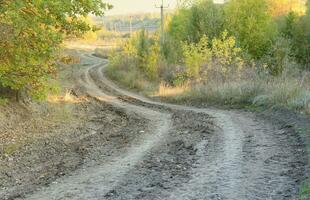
195	55
31	32
204	15
304	192
143	52
290	22
250	22
147	54
123	68
226	53
296	29
171	50
300	38
277	57
177	33
178	27
203	18
221	58
255	32
253	63
152	66
143	49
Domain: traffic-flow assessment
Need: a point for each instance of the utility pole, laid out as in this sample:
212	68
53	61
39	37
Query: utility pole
162	16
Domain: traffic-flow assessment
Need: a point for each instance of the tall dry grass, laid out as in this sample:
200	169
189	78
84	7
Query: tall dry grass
291	90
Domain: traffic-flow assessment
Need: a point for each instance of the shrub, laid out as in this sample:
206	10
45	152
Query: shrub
227	57
277	57
137	63
195	55
219	60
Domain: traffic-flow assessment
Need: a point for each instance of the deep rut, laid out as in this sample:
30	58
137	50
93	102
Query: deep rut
186	153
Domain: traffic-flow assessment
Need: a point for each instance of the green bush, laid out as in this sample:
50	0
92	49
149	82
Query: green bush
195	56
220	59
278	56
136	65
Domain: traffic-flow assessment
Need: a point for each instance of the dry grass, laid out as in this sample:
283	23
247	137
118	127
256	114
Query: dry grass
61	107
70	59
287	92
132	78
66	98
167	91
291	90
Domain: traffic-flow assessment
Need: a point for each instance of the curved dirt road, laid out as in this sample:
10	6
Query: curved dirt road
185	153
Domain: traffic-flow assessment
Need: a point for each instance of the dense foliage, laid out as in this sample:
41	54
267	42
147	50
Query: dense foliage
220	41
31	32
270	33
255	30
219	59
298	31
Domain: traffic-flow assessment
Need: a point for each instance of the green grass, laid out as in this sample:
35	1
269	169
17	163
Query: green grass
304	192
10	149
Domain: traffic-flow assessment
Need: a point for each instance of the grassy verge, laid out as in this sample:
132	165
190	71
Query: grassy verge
285	91
131	78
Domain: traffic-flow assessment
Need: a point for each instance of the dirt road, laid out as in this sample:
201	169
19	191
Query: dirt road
184	153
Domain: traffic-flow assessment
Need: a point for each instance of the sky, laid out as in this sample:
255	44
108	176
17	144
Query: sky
122	7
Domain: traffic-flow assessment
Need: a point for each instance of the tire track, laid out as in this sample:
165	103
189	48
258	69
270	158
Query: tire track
93	183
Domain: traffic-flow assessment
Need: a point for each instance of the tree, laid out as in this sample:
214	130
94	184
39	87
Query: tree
301	39
250	23
289	25
31	32
178	27
202	18
206	18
